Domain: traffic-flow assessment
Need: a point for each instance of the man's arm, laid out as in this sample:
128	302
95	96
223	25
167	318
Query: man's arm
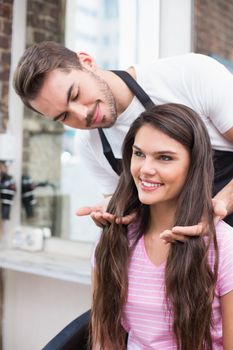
229	135
226	195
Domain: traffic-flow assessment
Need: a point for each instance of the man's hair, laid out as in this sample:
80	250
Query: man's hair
189	280
37	61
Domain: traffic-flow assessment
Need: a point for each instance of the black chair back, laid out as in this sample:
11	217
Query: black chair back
73	337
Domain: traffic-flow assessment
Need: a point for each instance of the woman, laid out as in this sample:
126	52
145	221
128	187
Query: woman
174	296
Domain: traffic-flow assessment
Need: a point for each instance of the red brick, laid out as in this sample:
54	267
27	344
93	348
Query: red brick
5	41
7	27
213	27
4	75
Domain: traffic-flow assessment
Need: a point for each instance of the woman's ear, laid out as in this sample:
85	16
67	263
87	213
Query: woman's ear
87	61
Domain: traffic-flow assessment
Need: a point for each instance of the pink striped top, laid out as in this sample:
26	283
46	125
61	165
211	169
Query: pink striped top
145	317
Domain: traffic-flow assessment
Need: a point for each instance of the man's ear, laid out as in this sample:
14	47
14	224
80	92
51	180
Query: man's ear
86	60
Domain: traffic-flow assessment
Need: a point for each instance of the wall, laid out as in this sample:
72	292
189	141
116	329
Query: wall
6	10
213	27
175	27
36	308
6	7
42	140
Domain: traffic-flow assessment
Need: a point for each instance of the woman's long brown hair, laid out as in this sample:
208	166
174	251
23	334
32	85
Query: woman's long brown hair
189	280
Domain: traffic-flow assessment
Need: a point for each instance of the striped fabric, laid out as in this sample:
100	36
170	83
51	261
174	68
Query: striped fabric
145	316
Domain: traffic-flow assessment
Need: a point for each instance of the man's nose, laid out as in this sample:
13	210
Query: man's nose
78	110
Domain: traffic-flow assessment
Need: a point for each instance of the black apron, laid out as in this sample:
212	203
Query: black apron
223	160
223	166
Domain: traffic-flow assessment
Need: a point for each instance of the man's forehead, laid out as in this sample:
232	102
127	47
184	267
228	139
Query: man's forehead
62	79
50	100
55	92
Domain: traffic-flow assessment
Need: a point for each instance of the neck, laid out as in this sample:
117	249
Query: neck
162	218
121	93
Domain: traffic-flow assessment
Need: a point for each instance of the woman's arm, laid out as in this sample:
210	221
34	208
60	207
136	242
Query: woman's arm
227	320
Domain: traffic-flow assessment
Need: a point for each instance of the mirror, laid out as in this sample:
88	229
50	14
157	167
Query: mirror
55	182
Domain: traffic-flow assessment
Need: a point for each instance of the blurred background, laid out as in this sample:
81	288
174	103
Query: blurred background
41	158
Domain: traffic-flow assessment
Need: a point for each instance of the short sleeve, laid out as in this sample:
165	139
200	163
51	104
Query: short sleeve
225	270
213	86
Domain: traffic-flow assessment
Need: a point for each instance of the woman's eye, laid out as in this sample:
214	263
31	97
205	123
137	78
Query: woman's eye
138	154
165	158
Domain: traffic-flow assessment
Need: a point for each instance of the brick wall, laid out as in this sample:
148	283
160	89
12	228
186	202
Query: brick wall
213	27
42	139
44	22
6	7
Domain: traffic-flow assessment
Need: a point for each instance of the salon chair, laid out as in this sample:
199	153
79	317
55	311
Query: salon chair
73	337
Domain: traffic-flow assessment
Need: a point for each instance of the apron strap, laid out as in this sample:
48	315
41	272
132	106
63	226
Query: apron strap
108	153
145	101
135	88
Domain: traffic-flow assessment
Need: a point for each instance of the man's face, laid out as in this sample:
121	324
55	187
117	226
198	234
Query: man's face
80	99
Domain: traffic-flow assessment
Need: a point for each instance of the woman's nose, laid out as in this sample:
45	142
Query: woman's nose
148	167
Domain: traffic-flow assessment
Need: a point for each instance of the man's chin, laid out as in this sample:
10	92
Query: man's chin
108	124
104	124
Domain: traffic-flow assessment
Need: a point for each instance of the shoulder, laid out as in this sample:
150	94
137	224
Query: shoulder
190	59
192	66
198	62
133	232
133	228
225	269
224	233
208	65
195	58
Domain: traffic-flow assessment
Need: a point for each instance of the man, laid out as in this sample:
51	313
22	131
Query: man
70	88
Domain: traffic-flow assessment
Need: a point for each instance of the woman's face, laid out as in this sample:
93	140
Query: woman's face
159	166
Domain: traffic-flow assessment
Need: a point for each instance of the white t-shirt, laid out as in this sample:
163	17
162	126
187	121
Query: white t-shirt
194	80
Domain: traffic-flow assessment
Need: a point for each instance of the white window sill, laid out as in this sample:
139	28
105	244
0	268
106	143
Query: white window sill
64	267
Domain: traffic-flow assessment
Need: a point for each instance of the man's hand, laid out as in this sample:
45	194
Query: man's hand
101	217
179	233
226	196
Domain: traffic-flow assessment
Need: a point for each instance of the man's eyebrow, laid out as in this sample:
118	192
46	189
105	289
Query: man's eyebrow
68	95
